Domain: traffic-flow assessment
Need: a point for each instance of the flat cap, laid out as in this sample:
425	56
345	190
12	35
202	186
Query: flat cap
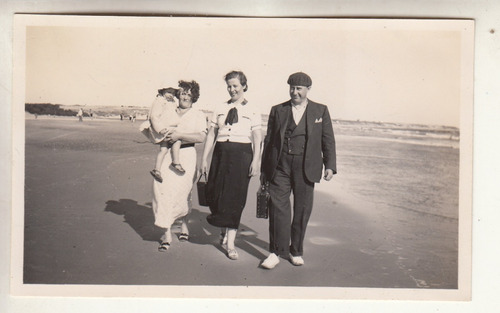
299	79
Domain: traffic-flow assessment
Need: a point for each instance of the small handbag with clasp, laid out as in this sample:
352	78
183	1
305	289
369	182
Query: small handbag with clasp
201	187
263	198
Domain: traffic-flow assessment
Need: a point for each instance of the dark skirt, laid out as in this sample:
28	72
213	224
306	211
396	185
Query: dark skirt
227	184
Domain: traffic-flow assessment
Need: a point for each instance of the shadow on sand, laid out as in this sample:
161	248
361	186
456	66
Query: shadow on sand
141	219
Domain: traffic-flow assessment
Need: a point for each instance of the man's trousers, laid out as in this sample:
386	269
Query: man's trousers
285	238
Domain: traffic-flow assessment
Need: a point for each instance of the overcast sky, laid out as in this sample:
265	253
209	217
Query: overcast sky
377	70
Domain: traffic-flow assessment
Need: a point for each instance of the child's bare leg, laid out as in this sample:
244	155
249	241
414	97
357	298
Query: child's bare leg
159	160
161	155
175	150
176	147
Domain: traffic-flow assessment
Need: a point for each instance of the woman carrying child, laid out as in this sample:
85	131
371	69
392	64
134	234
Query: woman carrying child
172	198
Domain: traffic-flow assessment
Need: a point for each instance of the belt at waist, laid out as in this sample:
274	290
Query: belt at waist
187	145
233	141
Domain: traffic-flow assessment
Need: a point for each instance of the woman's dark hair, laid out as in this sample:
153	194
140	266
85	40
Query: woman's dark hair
240	76
189	86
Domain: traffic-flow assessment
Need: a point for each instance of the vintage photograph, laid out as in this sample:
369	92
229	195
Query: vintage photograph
242	157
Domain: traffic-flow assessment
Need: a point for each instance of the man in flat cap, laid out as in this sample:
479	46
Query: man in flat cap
299	141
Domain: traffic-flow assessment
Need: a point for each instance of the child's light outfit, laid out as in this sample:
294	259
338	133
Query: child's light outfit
162	115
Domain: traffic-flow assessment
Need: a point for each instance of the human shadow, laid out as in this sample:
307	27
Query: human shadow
201	232
141	219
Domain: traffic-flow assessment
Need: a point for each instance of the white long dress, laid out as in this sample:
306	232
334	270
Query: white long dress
172	197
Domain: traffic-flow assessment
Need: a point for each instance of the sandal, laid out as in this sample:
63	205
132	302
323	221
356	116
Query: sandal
183	237
232	254
178	168
164	246
157	175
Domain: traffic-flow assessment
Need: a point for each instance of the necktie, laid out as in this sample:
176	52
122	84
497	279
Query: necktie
232	117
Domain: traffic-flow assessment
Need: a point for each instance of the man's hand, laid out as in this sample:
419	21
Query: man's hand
263	178
328	174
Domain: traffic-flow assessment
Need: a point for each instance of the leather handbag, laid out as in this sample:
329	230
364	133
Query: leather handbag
263	201
201	187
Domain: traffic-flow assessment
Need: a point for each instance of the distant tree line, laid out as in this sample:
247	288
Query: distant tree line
48	109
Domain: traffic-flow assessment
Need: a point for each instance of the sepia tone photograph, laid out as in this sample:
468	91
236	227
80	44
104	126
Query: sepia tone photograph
243	157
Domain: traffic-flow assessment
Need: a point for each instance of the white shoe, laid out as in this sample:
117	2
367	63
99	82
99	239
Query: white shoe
296	260
271	261
232	254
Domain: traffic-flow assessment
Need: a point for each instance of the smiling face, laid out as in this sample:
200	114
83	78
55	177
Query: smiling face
185	98
169	97
298	94
235	89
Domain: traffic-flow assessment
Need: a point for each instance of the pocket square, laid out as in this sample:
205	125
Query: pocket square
318	120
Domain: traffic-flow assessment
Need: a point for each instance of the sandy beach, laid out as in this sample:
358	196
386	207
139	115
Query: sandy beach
388	219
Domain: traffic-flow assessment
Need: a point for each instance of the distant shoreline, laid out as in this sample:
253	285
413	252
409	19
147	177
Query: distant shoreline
445	136
113	112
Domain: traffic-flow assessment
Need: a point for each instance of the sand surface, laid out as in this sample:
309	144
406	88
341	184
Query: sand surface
388	219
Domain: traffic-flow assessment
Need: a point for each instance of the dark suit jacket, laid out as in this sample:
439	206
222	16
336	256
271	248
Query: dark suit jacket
320	141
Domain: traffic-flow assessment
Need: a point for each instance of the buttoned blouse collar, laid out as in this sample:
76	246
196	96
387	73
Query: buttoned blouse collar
242	102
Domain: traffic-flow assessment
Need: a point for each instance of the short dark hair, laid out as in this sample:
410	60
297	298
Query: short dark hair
240	75
170	90
192	86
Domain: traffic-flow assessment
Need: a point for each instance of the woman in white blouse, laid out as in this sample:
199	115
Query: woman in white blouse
235	129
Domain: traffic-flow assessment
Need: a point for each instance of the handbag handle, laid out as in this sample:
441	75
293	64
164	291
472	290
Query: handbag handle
201	175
